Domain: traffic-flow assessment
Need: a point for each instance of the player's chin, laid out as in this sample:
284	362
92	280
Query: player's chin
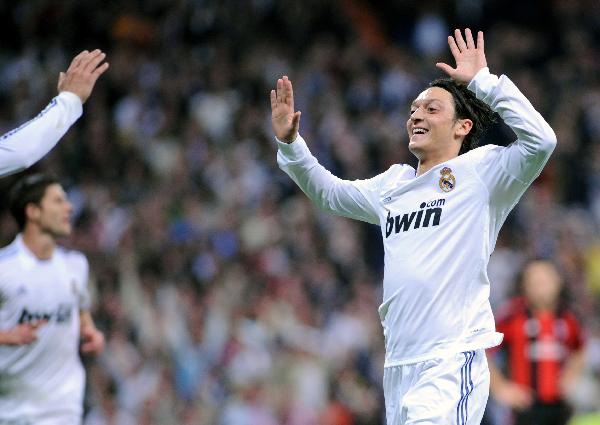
416	147
62	231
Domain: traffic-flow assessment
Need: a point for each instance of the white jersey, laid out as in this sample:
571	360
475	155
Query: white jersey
26	144
44	379
439	229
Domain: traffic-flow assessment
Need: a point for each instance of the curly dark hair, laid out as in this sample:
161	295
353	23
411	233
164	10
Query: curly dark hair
466	105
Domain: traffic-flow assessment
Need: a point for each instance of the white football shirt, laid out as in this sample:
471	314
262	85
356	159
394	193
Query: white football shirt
439	229
26	144
44	379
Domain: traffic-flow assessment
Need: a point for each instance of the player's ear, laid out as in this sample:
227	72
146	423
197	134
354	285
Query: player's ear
463	126
32	212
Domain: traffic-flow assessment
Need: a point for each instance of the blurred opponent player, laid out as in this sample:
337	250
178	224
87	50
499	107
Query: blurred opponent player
544	347
25	145
439	225
44	312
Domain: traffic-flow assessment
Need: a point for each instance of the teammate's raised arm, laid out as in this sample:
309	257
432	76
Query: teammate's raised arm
28	143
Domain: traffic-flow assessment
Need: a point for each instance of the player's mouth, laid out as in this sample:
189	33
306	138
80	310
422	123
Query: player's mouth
418	133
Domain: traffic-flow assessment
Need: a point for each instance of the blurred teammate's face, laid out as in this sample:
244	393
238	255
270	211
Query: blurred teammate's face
432	125
542	284
53	214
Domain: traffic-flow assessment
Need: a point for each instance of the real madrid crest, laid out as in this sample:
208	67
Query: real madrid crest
447	181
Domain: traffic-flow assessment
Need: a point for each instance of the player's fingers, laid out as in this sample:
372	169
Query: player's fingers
280	95
289	90
285	91
296	121
273	100
446	68
77	60
460	41
469	37
453	47
95	58
61	79
36	324
100	70
480	41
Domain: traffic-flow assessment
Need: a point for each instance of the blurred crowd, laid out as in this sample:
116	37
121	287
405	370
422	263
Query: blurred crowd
225	296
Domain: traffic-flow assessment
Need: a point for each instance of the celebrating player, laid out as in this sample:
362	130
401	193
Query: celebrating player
439	225
25	145
43	312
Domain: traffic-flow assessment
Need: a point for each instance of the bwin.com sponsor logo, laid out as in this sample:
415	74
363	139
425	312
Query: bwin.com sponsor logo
428	215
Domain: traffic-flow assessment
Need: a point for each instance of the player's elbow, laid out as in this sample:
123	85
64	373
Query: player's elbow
547	140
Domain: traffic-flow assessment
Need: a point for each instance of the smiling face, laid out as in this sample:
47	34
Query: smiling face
53	214
433	128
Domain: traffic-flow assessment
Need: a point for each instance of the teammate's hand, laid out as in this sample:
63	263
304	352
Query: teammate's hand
82	74
23	334
92	340
284	120
469	58
514	395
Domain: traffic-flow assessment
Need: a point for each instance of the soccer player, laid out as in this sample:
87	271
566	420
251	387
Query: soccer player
439	224
544	346
25	145
44	312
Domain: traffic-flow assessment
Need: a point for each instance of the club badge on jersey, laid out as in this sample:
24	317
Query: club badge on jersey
447	180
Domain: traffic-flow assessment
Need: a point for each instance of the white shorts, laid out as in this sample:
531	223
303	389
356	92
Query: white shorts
444	391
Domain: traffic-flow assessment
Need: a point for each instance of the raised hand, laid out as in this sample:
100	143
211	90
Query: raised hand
469	58
82	74
284	120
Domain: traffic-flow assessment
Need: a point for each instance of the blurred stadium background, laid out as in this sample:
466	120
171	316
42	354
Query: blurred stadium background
226	298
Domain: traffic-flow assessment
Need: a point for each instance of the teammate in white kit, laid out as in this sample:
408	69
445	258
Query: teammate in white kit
25	145
439	225
44	312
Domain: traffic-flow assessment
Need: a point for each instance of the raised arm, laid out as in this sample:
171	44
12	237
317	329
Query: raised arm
354	199
524	159
25	145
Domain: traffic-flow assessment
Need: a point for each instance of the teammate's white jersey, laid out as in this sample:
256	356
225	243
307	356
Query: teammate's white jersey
439	229
44	379
26	144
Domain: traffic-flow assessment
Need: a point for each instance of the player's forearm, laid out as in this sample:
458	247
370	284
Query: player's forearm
26	144
327	191
535	136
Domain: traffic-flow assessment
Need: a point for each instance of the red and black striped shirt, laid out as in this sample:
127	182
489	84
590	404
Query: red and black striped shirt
537	345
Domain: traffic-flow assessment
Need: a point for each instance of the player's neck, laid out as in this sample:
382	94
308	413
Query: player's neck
436	154
40	244
426	163
544	308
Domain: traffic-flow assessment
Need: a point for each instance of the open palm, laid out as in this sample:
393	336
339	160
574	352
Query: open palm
284	120
469	58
